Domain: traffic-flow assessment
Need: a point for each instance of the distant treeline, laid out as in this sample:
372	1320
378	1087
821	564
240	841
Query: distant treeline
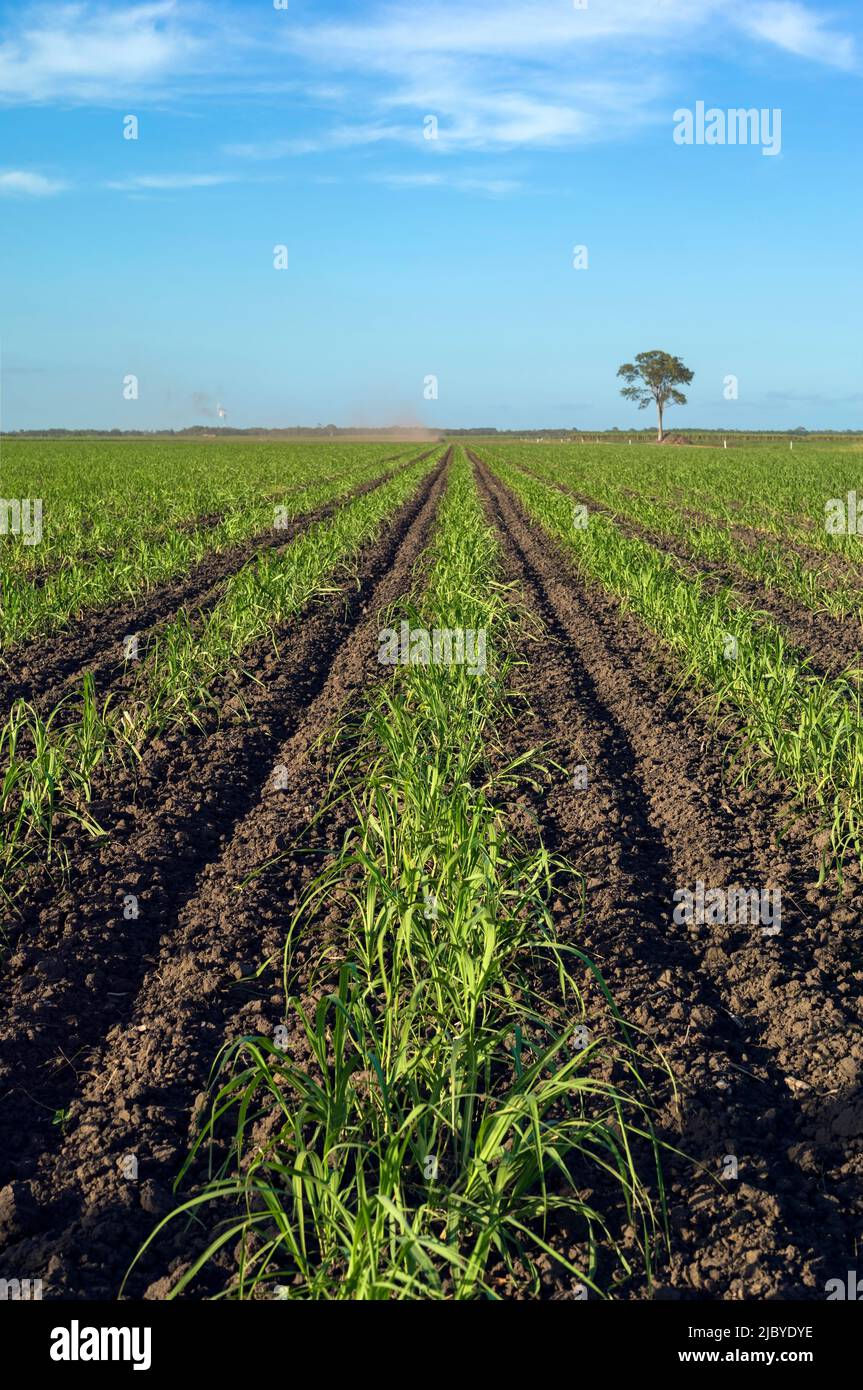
650	433
220	431
419	432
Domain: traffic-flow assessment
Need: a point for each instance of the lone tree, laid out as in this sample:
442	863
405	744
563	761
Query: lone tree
655	376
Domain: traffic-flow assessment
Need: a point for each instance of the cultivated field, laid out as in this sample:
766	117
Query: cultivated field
431	871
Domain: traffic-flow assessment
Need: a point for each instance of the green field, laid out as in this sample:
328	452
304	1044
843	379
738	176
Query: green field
369	775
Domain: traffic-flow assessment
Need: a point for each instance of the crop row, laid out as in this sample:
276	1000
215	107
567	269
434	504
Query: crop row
788	721
99	495
773	490
146	559
452	1111
771	561
51	759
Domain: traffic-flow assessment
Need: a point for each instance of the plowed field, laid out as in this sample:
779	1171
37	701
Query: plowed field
329	973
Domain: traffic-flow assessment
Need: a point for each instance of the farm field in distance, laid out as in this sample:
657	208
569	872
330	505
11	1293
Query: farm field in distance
431	870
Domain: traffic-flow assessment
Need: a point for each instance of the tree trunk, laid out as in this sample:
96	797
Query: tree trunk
659	413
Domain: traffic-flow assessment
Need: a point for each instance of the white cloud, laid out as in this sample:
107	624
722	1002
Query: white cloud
545	74
137	183
493	188
799	30
21	182
338	137
86	52
546	30
513	75
502	76
509	29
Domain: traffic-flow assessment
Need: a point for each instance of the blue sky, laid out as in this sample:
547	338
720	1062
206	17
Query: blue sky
411	257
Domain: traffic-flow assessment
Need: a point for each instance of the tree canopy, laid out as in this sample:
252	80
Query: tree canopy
655	377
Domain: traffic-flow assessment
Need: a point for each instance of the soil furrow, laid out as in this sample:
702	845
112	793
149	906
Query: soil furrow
203	522
834	568
115	1021
833	644
762	1033
49	667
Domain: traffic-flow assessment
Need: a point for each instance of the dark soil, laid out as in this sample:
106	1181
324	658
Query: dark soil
833	567
50	667
115	1022
832	644
762	1033
109	1024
